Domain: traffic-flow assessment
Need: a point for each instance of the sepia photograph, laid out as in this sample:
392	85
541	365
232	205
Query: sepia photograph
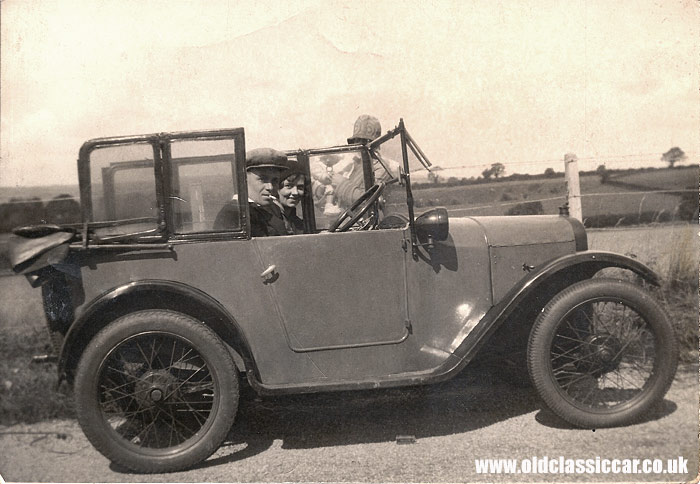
368	241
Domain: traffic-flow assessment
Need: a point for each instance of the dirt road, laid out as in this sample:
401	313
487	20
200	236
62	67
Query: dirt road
353	437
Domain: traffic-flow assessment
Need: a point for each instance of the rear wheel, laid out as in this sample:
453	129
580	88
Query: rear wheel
156	391
601	353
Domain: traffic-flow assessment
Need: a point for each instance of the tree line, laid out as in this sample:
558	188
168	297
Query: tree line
18	212
496	172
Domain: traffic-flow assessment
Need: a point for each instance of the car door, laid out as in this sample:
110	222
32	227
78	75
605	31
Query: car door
338	290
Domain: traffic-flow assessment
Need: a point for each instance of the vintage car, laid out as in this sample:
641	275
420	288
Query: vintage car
157	315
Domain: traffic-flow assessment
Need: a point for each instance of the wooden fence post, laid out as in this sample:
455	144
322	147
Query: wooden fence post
197	207
573	187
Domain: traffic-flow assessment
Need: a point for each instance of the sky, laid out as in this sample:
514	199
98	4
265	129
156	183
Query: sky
476	82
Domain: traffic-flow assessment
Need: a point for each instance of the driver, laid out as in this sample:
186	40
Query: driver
350	185
263	169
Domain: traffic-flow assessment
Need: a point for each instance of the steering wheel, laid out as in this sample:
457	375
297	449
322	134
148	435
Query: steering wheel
353	214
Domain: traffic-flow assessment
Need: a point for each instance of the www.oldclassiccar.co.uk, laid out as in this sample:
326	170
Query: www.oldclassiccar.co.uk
597	465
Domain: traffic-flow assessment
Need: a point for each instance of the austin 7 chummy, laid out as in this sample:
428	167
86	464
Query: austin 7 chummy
157	315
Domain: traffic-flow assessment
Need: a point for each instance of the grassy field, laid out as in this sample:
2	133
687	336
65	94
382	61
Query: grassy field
672	250
626	194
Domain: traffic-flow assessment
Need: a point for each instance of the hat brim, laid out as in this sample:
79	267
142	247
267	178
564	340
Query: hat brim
267	167
353	141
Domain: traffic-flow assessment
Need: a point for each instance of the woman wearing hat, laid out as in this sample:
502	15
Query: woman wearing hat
290	193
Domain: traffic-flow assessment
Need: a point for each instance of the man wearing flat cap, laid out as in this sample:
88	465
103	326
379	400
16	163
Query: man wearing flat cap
263	169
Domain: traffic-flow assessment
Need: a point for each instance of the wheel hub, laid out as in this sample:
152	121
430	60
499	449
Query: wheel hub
156	394
602	353
154	387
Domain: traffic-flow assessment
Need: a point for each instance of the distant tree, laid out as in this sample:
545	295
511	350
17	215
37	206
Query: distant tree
673	156
603	173
549	172
498	169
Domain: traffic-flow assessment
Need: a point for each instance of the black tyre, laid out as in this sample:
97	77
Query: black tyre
156	391
601	353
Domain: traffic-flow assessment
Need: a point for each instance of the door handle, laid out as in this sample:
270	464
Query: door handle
269	275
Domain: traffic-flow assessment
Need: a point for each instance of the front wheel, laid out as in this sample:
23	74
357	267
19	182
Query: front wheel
156	391
601	353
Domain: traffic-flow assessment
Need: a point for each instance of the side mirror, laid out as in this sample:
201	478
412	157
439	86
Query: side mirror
431	226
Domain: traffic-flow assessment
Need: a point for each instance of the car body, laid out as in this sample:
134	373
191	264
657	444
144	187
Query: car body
409	300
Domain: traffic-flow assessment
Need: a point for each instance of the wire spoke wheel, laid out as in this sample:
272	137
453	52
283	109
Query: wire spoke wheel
156	392
601	353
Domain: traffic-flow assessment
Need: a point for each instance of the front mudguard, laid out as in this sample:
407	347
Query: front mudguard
540	285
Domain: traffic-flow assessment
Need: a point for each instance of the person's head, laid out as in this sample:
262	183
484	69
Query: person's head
264	167
366	129
291	190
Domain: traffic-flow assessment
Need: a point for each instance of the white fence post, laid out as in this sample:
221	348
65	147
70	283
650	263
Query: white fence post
573	187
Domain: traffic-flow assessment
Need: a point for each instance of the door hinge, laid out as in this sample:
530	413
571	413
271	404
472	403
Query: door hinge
409	326
404	244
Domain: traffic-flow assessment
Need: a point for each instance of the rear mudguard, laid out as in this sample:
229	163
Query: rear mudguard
150	294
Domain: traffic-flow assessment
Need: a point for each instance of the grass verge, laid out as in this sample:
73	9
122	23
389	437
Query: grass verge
679	295
27	389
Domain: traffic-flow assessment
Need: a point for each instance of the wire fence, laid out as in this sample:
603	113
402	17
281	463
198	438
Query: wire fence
563	198
638	160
